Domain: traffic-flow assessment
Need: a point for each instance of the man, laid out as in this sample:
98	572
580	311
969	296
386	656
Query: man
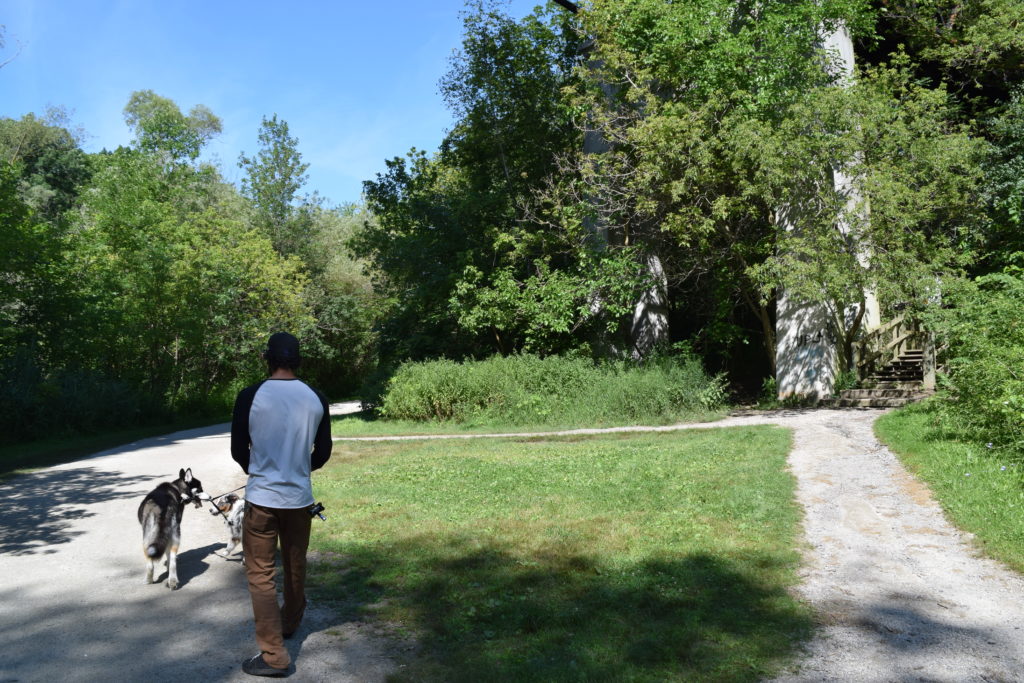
280	432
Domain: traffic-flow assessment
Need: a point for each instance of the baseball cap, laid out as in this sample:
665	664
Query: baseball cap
283	346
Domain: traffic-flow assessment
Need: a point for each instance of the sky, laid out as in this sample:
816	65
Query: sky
357	82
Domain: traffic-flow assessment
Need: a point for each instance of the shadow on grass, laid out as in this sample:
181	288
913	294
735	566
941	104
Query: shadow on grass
482	613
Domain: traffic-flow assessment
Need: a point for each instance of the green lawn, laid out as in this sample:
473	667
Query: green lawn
364	424
980	489
661	557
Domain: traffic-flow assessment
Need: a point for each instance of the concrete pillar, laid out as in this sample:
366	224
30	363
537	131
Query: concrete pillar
808	353
650	315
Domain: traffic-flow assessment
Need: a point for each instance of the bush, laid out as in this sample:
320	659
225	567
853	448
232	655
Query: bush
68	402
526	389
982	327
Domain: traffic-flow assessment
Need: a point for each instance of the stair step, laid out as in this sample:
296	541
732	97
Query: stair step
869	402
880	393
889	384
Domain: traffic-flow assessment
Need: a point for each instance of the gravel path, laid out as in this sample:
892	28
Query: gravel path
73	604
902	596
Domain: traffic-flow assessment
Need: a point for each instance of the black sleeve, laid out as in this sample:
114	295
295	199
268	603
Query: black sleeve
323	443
240	426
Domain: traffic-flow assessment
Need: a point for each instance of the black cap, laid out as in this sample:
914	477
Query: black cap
283	347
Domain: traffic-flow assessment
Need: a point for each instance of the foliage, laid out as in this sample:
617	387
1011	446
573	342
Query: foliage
135	283
975	48
185	292
909	200
340	345
738	152
1005	186
341	348
273	180
979	485
160	127
458	251
614	558
527	389
44	153
980	323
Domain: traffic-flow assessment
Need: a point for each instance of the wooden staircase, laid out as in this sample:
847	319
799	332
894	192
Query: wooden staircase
897	362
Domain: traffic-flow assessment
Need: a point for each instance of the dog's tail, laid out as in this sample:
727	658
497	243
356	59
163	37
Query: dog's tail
155	550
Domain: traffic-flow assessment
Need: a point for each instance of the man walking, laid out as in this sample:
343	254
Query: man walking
280	432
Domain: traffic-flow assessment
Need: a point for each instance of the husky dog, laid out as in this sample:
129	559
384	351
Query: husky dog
160	516
231	507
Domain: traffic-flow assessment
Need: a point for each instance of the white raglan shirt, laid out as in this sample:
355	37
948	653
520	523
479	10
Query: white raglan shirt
283	423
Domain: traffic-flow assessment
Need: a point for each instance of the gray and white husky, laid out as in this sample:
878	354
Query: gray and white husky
160	516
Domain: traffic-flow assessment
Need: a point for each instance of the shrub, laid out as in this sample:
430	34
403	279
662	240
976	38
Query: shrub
525	389
33	405
982	327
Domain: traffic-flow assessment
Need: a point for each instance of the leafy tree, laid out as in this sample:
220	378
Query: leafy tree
726	125
339	344
461	250
19	236
273	180
51	165
1004	245
906	215
182	292
159	126
341	347
980	325
975	48
668	87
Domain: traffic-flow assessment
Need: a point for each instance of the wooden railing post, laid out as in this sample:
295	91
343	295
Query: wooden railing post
928	362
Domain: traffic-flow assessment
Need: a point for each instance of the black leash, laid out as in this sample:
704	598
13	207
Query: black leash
231	491
217	507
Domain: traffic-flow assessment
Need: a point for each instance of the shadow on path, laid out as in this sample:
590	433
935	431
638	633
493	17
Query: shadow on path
40	508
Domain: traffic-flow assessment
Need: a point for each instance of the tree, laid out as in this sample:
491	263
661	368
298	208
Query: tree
273	180
458	249
665	86
51	165
342	345
159	126
725	123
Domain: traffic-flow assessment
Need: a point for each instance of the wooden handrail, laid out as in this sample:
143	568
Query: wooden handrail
873	347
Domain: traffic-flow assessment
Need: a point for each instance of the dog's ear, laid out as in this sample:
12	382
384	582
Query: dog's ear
186	475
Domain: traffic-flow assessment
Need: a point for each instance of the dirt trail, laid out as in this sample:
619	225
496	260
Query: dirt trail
902	595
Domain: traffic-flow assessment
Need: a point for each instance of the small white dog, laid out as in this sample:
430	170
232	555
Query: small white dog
231	507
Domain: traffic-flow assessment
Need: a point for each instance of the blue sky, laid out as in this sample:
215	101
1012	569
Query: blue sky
356	81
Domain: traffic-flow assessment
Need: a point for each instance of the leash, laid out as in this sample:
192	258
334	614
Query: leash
231	491
219	511
216	507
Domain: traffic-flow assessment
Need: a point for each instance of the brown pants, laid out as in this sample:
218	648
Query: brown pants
261	529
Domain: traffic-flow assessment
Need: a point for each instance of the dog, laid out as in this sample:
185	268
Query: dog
160	516
232	508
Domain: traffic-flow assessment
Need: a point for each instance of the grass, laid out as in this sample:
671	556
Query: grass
24	457
980	489
654	557
365	424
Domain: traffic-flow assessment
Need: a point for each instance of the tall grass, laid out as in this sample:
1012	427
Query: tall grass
526	389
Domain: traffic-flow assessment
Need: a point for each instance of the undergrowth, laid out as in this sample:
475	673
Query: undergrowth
526	389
